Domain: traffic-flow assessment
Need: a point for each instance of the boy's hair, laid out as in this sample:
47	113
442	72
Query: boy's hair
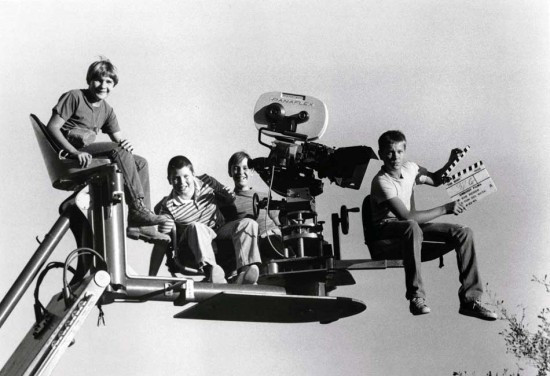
390	137
179	162
102	68
235	159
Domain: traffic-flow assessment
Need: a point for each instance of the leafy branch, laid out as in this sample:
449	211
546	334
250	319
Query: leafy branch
531	347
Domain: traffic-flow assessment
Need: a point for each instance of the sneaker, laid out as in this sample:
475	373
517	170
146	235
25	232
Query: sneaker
418	306
214	274
248	276
139	215
476	309
148	234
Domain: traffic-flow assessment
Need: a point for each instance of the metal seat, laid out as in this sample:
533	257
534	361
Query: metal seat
380	248
65	174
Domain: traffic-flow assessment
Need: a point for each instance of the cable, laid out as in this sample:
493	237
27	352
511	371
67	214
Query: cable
267	212
67	292
39	310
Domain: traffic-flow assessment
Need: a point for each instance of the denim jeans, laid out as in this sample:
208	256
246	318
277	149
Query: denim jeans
134	168
410	249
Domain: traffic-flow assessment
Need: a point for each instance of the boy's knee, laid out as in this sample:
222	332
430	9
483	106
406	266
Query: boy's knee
464	233
118	152
195	227
413	229
249	225
141	162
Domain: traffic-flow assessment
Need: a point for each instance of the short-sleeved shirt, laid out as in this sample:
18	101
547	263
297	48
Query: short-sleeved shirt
202	208
385	187
78	112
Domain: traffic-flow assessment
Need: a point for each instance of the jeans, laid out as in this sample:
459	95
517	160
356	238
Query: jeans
410	249
134	168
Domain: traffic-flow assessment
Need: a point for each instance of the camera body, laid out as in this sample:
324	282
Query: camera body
294	121
295	168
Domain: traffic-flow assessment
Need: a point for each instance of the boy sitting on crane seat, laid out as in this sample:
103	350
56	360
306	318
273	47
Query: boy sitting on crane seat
77	118
394	215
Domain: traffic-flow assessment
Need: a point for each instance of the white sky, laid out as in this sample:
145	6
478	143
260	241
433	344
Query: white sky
448	74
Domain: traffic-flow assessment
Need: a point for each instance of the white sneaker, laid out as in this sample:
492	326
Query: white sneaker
248	276
418	306
215	274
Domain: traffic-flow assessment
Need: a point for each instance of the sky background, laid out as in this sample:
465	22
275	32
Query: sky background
448	74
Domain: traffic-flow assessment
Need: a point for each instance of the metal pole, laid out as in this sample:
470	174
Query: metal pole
43	252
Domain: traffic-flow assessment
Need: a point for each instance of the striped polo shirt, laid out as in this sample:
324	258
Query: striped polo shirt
202	208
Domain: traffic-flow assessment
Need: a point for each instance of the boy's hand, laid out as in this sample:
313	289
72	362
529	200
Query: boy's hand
444	179
226	195
454	207
455	153
126	145
83	158
229	192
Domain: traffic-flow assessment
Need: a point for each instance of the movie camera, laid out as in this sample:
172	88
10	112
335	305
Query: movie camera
294	169
295	121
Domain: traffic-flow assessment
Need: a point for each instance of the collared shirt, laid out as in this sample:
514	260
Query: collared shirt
202	208
385	187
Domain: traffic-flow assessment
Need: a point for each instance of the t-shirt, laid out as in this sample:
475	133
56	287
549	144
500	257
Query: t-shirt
385	187
77	111
202	208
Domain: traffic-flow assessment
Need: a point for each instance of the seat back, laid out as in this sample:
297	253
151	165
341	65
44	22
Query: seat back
369	232
375	246
65	174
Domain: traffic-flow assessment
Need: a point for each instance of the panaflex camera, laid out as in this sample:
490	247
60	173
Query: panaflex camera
294	121
296	164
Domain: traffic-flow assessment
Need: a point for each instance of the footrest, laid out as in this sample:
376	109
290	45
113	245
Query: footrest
230	306
364	264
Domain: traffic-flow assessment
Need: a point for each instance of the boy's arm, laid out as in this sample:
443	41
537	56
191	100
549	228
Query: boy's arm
159	250
397	207
54	128
123	143
437	178
223	192
157	255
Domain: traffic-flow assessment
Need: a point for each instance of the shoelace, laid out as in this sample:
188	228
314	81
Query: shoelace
419	301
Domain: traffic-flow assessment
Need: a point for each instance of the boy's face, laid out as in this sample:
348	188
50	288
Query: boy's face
100	87
183	182
393	156
240	174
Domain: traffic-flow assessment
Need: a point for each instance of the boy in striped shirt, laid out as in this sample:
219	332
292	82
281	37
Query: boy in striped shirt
193	209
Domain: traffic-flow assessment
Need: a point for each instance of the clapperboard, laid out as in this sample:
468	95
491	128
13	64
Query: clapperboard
471	184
